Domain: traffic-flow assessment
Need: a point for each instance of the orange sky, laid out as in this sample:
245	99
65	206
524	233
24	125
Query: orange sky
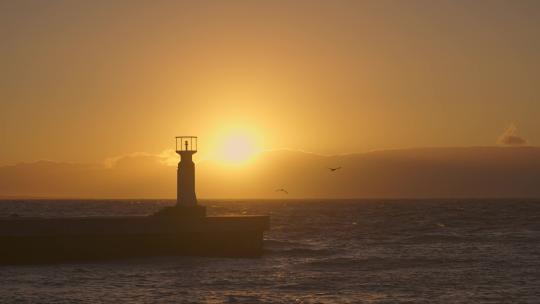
84	81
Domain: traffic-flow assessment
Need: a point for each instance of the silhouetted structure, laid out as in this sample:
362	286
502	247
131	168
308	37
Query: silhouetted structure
186	199
180	230
186	146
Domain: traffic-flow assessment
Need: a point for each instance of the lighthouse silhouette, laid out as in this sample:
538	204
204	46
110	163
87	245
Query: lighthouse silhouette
186	200
186	146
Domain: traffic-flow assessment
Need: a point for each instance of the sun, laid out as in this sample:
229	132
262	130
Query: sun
237	148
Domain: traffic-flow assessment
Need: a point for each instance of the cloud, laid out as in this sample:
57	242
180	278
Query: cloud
510	137
426	172
169	157
166	157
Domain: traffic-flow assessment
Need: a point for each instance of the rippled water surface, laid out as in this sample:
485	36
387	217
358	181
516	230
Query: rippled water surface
348	251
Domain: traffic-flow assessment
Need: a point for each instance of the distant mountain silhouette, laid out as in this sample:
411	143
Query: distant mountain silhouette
402	173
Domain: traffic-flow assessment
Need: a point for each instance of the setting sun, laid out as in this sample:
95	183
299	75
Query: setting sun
237	148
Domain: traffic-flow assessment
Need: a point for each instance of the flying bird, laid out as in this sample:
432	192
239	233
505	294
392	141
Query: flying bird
282	190
334	169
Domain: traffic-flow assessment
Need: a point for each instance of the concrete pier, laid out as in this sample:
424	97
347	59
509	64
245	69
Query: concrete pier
44	240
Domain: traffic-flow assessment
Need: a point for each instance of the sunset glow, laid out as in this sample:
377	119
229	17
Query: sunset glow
93	95
236	149
293	151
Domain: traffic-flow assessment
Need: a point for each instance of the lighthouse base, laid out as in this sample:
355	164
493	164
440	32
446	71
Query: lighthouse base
184	212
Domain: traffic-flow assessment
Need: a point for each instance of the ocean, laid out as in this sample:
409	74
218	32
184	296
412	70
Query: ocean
317	251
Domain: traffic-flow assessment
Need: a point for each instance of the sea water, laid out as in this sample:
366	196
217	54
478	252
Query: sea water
317	251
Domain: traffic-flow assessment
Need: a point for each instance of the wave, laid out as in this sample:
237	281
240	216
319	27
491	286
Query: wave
289	248
380	264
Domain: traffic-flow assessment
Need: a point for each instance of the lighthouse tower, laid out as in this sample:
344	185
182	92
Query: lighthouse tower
186	146
186	206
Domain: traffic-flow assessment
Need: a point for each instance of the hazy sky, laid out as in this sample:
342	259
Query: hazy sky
87	80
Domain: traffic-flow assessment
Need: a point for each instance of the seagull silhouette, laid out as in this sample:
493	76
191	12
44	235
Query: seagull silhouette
334	169
282	190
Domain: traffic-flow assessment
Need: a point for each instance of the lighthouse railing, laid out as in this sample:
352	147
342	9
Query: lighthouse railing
186	143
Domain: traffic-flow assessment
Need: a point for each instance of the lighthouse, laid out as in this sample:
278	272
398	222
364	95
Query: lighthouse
186	146
186	206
